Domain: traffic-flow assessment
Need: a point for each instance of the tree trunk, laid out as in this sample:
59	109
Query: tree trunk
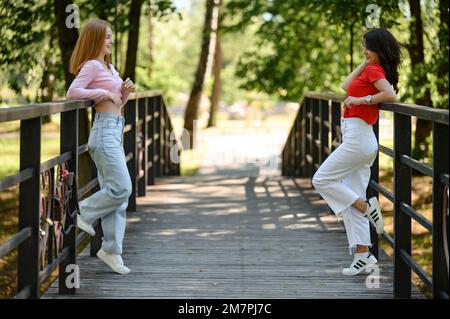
67	38
197	88
416	53
217	85
133	37
442	65
47	86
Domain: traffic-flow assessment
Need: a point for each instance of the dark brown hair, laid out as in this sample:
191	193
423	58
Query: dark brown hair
381	41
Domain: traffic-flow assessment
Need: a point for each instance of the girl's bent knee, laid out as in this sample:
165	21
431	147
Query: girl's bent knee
122	193
318	182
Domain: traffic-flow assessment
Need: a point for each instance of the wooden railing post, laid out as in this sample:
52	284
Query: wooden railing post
142	164
335	122
151	137
324	130
166	141
374	175
440	166
286	156
309	138
172	147
303	120
289	155
297	145
163	139
51	231
402	193
292	164
131	147
315	135
69	143
30	157
158	138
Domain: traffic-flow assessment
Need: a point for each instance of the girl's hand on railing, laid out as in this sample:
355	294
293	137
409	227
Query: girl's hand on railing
351	100
127	86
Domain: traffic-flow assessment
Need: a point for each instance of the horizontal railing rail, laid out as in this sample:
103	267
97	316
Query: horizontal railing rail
48	191
316	132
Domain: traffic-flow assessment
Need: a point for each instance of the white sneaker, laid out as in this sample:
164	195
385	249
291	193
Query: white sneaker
83	225
375	216
114	261
359	264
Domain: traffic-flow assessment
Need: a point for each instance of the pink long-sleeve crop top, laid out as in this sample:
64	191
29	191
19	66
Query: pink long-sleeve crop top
94	82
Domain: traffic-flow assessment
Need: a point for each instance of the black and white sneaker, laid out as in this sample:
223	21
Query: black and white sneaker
359	264
374	215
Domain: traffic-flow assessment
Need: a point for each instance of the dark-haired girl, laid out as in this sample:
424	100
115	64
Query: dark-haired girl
343	178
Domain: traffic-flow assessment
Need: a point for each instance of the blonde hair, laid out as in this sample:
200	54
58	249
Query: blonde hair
89	44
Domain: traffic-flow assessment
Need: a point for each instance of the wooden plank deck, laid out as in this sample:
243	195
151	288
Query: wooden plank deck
217	236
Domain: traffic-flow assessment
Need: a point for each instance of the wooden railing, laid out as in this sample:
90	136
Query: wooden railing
316	132
47	236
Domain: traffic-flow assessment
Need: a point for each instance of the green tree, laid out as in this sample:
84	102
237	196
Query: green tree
301	43
133	36
24	50
159	8
216	73
418	77
21	48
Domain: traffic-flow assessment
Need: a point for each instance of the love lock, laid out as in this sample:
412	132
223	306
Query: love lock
42	232
68	179
49	221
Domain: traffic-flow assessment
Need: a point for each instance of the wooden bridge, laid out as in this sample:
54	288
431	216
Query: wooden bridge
226	234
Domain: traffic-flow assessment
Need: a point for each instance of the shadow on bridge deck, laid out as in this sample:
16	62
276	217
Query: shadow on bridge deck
225	236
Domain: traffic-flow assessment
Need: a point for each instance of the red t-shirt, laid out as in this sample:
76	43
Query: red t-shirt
363	86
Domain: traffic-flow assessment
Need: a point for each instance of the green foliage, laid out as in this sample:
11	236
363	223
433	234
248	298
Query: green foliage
25	51
176	46
106	10
279	47
354	13
302	45
24	27
168	52
163	9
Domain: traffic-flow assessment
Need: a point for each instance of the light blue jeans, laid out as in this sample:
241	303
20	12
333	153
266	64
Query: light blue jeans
111	201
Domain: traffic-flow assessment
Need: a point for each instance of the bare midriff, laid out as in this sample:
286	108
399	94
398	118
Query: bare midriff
107	106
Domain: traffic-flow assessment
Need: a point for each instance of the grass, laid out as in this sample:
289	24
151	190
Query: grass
189	164
10	150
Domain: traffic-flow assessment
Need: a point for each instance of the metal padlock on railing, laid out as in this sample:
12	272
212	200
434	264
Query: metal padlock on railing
49	221
68	179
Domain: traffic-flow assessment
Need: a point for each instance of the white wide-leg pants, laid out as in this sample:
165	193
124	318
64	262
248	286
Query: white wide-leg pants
344	176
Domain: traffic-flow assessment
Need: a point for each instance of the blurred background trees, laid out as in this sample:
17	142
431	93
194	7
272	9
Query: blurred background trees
273	50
